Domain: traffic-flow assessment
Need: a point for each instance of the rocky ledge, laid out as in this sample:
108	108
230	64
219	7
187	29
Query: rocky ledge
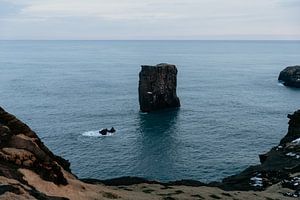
29	170
290	76
280	165
157	87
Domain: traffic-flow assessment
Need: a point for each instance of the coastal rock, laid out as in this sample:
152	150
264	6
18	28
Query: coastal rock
20	147
157	87
277	165
290	76
294	128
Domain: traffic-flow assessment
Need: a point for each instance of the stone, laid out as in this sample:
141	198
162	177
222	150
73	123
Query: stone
290	76
157	87
103	131
5	134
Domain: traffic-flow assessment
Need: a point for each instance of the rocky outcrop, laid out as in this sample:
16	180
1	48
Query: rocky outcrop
293	130
20	147
157	87
290	76
279	165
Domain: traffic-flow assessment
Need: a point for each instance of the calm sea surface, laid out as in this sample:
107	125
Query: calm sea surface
232	105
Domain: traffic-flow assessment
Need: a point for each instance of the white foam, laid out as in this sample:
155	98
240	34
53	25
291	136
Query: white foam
297	141
280	83
95	134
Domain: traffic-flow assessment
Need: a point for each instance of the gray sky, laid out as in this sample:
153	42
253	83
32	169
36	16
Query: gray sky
149	19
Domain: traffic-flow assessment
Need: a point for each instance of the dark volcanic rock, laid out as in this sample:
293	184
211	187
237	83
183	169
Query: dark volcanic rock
276	165
290	76
157	87
128	180
294	128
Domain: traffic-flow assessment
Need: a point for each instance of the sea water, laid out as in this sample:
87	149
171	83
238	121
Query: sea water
233	107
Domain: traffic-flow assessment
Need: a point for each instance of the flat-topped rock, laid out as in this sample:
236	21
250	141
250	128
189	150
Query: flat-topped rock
290	76
157	87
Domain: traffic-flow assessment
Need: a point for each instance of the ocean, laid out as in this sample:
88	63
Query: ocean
233	107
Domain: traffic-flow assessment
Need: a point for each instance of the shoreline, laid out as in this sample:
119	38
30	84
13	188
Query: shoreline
29	168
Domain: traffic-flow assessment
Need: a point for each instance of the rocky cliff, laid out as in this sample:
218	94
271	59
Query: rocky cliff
157	87
280	165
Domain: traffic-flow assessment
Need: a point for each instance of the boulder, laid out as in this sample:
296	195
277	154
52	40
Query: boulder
157	87
290	76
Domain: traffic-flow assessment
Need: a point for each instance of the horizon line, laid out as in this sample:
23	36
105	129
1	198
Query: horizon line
149	39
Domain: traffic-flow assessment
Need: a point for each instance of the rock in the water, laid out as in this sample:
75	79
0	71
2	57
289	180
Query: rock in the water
290	76
157	87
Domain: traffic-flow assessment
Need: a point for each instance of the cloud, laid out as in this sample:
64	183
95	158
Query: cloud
290	3
8	9
139	9
134	19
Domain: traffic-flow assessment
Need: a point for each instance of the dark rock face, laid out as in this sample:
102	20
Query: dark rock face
276	166
157	87
290	76
294	128
20	147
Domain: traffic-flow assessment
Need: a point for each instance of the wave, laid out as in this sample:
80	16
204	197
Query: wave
95	134
280	83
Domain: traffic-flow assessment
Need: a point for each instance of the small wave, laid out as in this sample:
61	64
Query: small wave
95	134
280	84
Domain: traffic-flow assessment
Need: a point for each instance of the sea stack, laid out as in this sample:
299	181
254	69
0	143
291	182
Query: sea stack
290	76
157	87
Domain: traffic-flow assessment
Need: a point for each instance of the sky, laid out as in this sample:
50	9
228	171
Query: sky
149	19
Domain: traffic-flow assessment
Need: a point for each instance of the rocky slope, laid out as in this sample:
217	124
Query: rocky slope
29	170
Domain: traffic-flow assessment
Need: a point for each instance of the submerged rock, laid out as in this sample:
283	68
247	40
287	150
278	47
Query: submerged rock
290	76
157	87
105	131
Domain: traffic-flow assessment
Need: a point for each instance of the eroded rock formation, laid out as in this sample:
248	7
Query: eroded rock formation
157	87
290	76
